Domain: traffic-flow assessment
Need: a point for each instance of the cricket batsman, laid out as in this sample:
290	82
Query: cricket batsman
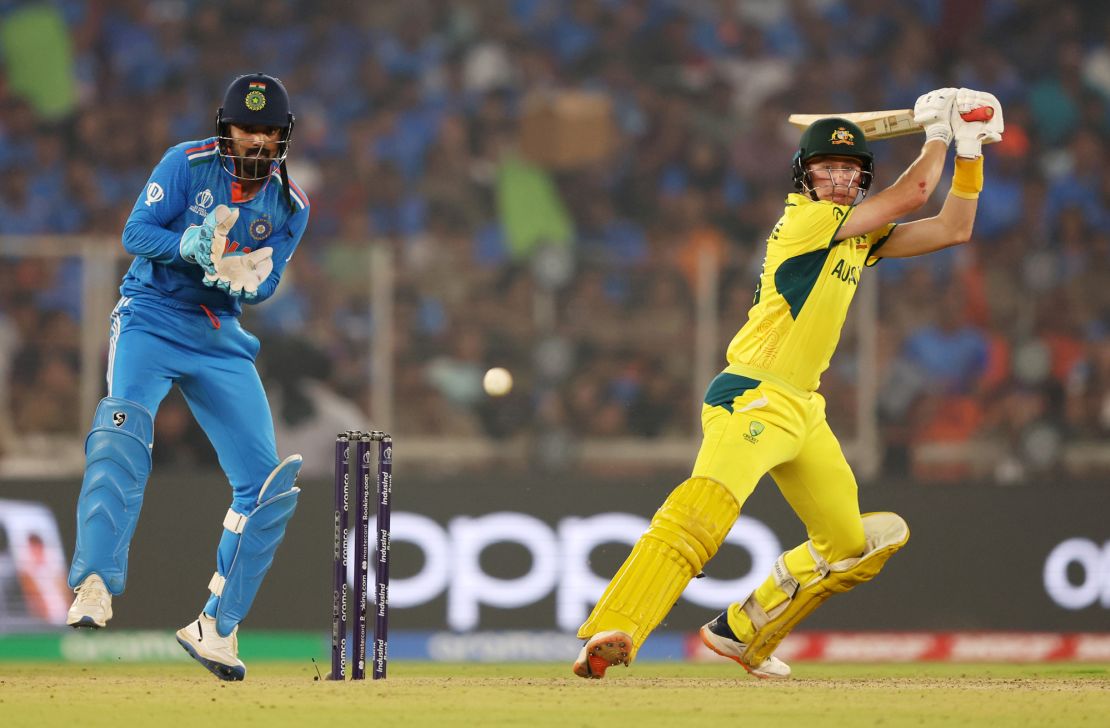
763	413
213	229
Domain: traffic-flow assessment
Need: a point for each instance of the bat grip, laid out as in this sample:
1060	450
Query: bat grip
982	113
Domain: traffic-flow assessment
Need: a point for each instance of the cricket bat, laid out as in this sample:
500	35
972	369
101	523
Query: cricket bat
886	124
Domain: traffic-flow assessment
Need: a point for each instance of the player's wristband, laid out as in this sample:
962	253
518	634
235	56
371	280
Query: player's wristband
967	181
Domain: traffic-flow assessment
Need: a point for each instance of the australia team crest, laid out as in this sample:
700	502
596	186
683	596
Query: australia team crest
841	135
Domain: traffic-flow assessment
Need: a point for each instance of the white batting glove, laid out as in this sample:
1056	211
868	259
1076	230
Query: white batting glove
976	120
934	112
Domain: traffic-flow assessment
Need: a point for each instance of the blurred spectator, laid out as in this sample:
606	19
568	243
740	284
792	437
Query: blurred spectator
411	134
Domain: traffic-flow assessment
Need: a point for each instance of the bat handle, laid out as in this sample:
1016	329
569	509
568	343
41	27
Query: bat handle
983	113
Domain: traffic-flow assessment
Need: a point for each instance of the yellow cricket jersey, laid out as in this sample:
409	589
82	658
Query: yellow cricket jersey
803	295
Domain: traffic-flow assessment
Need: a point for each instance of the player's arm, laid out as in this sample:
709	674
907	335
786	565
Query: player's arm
914	187
954	223
952	226
162	201
909	193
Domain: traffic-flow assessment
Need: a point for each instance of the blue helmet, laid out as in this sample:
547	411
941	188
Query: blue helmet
254	99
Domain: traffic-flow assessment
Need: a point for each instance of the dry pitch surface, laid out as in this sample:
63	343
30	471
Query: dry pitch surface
648	694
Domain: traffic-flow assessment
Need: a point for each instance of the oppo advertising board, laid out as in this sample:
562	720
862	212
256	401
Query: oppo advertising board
528	551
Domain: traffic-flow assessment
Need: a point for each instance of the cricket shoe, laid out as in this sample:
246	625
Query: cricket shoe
601	651
92	606
219	654
719	637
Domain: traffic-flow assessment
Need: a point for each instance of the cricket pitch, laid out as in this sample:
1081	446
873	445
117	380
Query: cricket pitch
276	694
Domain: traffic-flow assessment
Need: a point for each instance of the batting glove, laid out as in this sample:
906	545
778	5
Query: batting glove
976	120
934	112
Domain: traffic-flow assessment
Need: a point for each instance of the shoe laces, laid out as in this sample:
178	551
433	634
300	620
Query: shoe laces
91	592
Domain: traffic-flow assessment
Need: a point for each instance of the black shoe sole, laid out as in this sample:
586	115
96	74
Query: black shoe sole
86	623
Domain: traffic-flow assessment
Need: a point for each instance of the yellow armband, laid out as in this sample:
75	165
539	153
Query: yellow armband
967	182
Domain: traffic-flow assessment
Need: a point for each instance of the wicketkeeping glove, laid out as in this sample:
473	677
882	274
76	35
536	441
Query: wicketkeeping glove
240	274
198	240
934	112
976	120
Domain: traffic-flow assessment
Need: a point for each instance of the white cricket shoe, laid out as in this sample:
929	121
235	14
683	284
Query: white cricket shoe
219	654
718	636
92	606
601	651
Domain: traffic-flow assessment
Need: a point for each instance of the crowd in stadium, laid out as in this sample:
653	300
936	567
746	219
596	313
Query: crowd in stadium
410	136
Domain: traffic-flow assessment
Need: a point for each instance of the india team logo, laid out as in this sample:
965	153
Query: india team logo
755	429
255	100
261	227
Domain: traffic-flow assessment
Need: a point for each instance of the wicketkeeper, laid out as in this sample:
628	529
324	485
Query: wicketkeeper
763	413
214	228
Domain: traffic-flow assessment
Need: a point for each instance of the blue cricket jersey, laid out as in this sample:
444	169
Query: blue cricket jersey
185	186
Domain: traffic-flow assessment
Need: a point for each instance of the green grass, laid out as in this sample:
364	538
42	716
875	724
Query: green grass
648	694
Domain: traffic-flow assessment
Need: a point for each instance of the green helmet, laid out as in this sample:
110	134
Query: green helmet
832	136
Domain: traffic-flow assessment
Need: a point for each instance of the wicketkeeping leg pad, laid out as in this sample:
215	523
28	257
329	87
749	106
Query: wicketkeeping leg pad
254	539
684	534
117	465
886	533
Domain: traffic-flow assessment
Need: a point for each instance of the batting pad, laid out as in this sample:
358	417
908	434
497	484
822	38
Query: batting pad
255	538
117	465
886	533
684	534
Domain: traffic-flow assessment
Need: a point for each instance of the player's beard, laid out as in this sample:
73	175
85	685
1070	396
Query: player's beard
253	166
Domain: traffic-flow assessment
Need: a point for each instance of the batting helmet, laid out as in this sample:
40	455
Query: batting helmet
832	137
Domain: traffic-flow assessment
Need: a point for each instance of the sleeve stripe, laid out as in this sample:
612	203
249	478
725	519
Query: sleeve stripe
295	192
299	194
210	146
